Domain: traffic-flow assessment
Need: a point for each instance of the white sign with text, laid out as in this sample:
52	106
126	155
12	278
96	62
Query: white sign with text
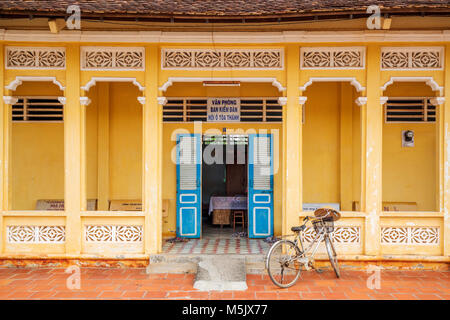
224	110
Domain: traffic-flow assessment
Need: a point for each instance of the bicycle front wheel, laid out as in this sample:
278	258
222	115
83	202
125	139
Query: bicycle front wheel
333	256
282	264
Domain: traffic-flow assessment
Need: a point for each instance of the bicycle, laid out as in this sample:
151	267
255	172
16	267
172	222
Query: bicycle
285	257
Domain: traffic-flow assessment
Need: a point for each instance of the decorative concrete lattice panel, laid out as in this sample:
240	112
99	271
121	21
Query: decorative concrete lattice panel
332	58
36	234
410	235
344	234
222	59
35	58
113	233
112	58
404	58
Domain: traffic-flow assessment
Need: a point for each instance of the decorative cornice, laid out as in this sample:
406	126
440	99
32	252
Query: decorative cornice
302	100
161	100
352	81
428	80
361	101
171	80
62	100
437	100
19	79
227	37
85	101
10	100
94	80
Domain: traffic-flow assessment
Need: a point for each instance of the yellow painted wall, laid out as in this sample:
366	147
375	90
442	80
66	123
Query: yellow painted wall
37	155
409	174
322	145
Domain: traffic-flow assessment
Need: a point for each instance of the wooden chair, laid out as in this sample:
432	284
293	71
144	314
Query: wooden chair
239	218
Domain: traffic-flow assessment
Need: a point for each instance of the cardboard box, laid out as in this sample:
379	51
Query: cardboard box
58	205
221	216
125	205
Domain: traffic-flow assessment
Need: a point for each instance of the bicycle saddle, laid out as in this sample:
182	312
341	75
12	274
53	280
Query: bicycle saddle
327	214
298	229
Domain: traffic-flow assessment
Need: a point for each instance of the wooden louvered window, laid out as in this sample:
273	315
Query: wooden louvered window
38	109
410	109
195	109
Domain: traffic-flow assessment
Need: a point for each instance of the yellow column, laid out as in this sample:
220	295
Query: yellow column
373	120
152	155
103	146
346	143
292	137
446	114
72	151
4	144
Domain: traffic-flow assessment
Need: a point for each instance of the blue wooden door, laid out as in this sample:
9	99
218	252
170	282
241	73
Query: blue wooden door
260	185
189	214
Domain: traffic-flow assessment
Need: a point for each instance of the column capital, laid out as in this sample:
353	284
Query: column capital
10	99
161	100
282	101
141	100
62	100
383	100
438	100
360	101
302	100
85	101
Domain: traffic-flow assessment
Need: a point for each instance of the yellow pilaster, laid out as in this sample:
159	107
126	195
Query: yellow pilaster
103	146
373	120
293	143
2	146
446	113
346	143
152	154
72	151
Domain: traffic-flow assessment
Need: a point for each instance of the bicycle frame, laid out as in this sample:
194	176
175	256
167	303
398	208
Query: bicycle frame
307	255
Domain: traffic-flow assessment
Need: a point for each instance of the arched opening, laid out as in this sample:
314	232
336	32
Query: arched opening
114	147
331	152
36	160
410	148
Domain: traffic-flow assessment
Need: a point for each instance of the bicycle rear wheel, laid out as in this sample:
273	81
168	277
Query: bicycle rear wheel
332	254
282	264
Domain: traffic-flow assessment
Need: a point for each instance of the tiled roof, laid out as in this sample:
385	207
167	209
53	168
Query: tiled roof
215	7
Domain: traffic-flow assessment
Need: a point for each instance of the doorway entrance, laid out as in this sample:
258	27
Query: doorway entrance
222	180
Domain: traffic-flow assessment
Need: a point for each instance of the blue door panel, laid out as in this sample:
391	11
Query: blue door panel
260	201
189	199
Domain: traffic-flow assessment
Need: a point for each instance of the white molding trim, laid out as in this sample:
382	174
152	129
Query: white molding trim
352	81
302	100
438	100
161	100
428	81
10	100
407	36
62	100
85	101
141	100
94	80
383	100
171	81
282	101
19	79
360	101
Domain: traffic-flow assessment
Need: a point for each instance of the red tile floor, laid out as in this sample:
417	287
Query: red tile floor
99	283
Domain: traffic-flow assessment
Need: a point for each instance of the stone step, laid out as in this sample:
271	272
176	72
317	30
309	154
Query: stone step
171	263
221	273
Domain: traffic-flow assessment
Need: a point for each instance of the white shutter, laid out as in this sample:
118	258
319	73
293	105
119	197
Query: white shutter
261	163
188	163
